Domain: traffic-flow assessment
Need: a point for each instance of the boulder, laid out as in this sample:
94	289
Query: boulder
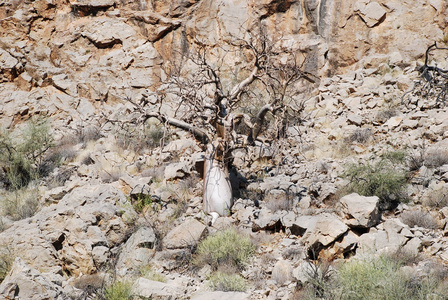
64	235
282	272
185	235
221	296
176	170
327	229
150	289
388	236
25	282
266	219
360	211
138	250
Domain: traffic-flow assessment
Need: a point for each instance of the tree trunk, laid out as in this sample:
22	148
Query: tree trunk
217	188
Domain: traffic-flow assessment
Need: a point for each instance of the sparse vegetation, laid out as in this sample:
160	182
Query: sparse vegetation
141	201
225	247
386	179
21	204
436	197
419	218
361	136
374	278
221	281
138	139
6	261
435	158
22	153
119	290
149	273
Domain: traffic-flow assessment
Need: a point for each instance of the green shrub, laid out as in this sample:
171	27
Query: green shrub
149	273
120	290
382	278
22	153
225	247
220	281
6	261
141	201
20	204
386	179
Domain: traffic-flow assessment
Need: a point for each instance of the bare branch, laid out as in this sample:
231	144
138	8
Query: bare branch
199	134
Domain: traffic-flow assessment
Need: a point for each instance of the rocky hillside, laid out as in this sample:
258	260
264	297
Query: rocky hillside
95	207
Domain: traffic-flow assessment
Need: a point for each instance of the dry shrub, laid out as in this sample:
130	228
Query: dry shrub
419	218
436	157
436	197
277	200
360	136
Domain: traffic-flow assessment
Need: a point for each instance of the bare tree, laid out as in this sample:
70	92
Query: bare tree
214	111
433	83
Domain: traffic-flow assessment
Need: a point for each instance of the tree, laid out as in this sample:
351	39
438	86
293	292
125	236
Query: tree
215	111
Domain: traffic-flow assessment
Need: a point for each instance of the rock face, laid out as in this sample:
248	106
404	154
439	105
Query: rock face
69	54
62	237
76	61
24	282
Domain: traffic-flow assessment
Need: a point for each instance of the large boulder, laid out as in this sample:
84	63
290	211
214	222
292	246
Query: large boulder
150	289
185	235
25	282
64	236
327	229
138	250
360	211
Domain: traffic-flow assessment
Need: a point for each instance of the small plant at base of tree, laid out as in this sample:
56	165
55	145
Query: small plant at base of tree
225	247
221	281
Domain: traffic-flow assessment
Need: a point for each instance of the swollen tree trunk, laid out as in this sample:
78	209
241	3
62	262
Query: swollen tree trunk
217	188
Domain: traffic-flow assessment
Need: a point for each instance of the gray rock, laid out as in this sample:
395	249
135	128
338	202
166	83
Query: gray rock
390	236
327	229
266	219
185	235
354	119
282	272
176	170
25	282
138	250
221	296
151	289
360	211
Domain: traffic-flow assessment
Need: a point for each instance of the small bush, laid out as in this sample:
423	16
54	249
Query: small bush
141	201
20	204
118	291
226	247
384	115
436	197
419	218
382	278
6	261
436	157
22	153
227	282
138	139
386	179
360	136
149	273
